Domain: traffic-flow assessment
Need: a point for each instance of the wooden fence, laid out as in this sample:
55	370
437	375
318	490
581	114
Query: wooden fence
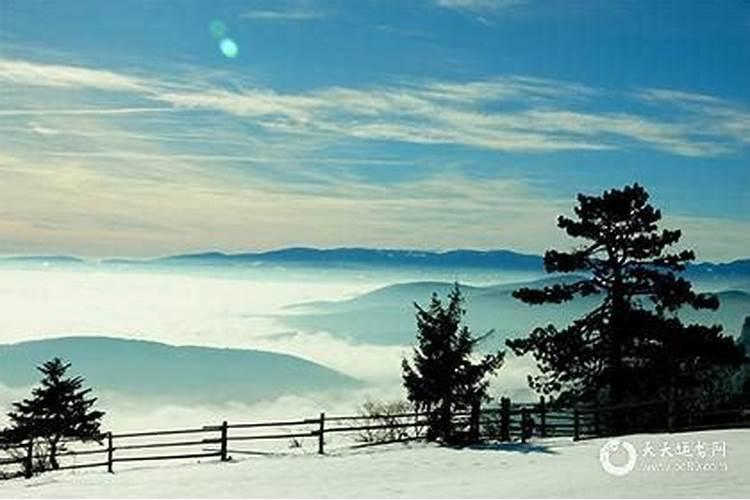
505	422
209	442
585	422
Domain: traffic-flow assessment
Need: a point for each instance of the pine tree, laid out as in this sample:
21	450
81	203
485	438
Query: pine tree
744	342
58	409
633	345
442	378
745	334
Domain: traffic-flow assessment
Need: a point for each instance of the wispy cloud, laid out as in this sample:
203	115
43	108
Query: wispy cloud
510	113
712	115
17	72
544	116
220	158
482	11
404	32
346	212
237	155
282	11
678	97
485	213
83	111
479	5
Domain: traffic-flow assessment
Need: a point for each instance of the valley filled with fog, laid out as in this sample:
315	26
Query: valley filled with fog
191	345
265	310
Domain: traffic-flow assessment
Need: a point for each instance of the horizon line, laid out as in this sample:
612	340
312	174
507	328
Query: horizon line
260	252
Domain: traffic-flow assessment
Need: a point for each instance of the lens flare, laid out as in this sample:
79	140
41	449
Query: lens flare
217	28
229	48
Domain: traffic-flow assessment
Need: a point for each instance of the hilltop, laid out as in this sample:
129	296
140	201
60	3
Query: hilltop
164	373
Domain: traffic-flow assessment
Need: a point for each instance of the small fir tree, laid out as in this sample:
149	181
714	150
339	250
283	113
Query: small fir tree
443	377
60	408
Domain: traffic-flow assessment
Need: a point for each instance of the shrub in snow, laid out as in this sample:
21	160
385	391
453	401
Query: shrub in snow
390	415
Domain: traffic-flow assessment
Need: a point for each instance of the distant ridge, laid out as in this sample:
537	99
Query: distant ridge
735	266
395	258
356	257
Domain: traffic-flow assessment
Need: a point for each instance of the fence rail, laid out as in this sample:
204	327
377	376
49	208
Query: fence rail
506	422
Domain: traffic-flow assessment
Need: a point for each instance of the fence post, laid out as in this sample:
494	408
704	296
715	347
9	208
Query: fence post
110	453
28	463
474	421
321	431
224	446
416	423
543	416
504	419
524	424
597	427
576	425
670	415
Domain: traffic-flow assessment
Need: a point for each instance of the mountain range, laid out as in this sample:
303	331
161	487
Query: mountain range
355	257
491	260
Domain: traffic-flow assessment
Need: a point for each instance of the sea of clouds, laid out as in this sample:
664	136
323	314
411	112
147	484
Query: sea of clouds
240	310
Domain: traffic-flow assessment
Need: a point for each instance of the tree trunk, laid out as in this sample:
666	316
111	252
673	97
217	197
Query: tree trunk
53	454
617	334
445	421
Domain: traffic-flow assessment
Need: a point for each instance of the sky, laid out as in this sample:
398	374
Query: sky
149	127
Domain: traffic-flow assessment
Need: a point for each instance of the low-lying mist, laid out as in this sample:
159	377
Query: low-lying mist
243	310
327	317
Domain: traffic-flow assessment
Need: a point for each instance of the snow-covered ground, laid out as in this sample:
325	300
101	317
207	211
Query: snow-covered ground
545	468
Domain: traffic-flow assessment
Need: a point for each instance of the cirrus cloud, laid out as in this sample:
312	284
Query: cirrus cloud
504	113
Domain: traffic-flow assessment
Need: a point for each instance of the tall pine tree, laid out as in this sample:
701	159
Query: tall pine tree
60	408
745	335
443	378
633	346
744	342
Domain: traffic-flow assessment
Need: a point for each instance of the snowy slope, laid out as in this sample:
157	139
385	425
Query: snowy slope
545	468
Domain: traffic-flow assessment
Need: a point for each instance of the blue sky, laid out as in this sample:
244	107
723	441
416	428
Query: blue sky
126	130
